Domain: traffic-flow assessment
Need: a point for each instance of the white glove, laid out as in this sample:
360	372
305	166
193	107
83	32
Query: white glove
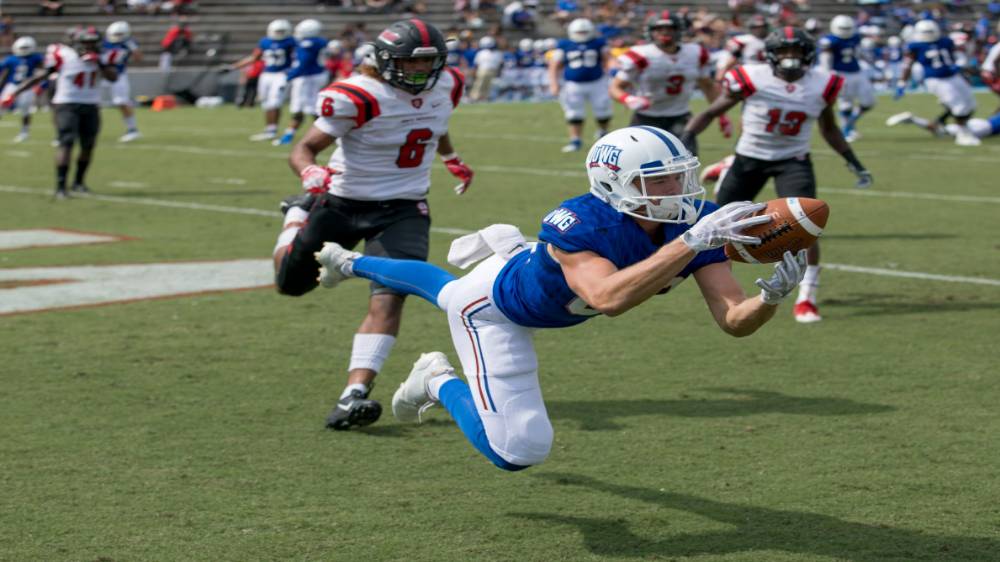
865	179
636	103
788	273
725	225
315	178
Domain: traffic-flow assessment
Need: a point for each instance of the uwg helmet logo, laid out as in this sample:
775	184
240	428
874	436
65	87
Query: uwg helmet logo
605	155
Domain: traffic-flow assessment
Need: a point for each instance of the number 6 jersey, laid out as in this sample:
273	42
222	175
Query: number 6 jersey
777	115
387	137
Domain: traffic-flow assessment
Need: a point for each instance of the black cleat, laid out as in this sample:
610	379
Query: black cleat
80	188
300	200
355	409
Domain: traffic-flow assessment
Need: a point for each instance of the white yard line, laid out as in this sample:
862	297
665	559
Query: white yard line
458	231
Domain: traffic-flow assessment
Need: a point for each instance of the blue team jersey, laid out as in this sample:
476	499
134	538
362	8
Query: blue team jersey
994	122
531	290
525	59
937	58
307	58
893	54
277	55
843	52
119	53
20	69
582	61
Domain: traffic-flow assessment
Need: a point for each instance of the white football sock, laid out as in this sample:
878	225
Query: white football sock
356	386
920	121
294	219
130	124
809	285
370	351
435	384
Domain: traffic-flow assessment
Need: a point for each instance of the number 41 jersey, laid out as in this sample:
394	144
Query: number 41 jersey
387	137
777	115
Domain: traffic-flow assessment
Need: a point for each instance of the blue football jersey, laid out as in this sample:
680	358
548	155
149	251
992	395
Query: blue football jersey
525	59
307	58
531	290
937	58
994	122
277	55
893	54
20	69
582	61
119	53
843	52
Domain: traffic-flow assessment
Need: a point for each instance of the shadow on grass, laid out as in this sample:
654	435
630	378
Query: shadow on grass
402	430
755	529
886	305
596	415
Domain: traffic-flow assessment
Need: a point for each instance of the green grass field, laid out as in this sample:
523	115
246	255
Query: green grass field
192	428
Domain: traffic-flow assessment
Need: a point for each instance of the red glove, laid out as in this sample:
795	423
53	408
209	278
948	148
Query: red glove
460	170
7	102
726	126
315	178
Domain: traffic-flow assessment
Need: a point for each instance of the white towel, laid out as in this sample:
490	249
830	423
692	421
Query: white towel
504	240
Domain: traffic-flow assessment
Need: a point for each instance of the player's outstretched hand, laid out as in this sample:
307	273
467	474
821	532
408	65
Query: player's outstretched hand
865	178
636	103
725	225
315	178
788	273
460	170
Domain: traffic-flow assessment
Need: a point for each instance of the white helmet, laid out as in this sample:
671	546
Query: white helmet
279	29
927	31
487	42
621	157
24	46
868	44
843	26
118	31
308	28
580	30
551	43
894	42
334	47
525	45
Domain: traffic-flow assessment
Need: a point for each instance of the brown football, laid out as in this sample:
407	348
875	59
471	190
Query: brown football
797	223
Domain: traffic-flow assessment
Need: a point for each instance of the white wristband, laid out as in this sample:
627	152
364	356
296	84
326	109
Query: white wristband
446	157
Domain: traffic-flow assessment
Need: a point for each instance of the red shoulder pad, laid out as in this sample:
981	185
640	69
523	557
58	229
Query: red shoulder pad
458	88
366	104
833	88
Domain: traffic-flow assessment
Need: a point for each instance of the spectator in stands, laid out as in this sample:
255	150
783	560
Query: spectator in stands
520	15
566	10
50	7
6	32
144	6
107	6
176	42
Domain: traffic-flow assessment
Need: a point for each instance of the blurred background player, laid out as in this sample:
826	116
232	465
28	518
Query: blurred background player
249	78
582	58
120	48
943	78
892	54
276	49
990	69
307	76
388	121
663	74
76	101
840	51
780	103
981	128
17	68
746	48
524	61
487	64
337	62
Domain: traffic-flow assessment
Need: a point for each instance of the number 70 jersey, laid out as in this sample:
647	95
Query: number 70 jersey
387	137
777	115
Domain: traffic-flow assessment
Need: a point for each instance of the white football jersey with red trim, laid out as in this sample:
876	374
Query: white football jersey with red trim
747	49
668	80
78	81
778	116
386	137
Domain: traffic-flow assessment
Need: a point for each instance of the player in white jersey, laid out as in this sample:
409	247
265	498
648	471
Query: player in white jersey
989	71
657	79
745	49
388	121
79	70
781	102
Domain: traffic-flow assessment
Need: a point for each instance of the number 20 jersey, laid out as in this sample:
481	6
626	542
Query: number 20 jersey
387	137
777	115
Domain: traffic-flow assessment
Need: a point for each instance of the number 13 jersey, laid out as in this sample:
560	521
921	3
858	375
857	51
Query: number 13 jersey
778	116
386	137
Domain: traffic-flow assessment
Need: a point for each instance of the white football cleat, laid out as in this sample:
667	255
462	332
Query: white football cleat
904	117
806	313
266	135
336	262
852	136
965	138
573	146
21	137
130	136
413	397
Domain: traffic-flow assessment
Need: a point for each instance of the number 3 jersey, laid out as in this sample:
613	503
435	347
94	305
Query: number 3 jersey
387	137
778	115
666	79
